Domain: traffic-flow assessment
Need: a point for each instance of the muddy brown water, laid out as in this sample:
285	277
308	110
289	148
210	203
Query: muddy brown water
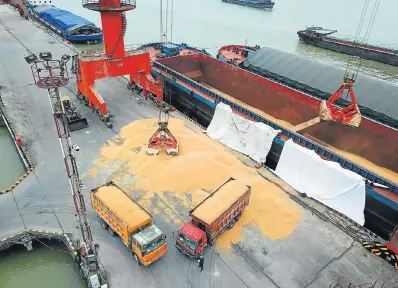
42	267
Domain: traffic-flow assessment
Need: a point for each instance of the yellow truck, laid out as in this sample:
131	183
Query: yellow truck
123	216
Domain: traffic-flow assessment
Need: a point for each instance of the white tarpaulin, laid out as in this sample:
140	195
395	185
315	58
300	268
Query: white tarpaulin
323	180
253	139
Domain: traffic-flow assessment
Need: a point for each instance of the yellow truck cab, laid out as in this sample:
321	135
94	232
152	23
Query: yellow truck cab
148	245
123	216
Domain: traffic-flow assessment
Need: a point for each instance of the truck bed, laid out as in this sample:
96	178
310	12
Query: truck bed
371	141
121	212
218	204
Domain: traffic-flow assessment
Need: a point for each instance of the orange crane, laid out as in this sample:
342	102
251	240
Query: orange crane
115	60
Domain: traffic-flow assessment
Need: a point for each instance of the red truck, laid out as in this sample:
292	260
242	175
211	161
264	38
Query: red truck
217	212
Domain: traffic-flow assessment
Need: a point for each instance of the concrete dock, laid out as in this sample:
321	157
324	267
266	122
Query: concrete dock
316	255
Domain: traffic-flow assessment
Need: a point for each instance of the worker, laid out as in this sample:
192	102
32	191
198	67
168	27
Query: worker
200	262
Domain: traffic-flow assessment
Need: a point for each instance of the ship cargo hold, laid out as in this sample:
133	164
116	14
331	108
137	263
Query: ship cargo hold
69	26
319	37
196	83
235	54
376	98
261	4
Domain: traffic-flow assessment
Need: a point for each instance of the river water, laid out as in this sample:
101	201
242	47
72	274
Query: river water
41	267
211	24
11	166
208	24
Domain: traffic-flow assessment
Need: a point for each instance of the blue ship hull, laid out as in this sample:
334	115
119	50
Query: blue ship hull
260	5
58	26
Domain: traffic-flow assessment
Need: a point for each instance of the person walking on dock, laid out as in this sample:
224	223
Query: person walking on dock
200	262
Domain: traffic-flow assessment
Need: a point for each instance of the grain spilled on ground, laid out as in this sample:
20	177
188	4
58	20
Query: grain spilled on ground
200	167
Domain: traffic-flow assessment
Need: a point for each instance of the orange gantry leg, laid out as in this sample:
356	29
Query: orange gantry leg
115	61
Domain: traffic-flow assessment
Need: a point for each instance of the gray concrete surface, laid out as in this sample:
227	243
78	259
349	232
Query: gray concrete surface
315	255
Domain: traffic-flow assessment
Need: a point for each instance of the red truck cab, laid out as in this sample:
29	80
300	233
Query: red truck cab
211	217
191	240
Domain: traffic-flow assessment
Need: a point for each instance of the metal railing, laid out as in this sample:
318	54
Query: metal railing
109	5
131	49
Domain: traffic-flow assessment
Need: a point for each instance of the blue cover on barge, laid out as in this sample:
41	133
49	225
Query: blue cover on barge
66	24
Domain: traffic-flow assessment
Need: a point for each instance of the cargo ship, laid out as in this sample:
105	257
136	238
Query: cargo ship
195	83
319	37
235	54
67	25
261	4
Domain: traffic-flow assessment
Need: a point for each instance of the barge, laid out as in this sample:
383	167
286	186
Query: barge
67	25
159	50
375	97
196	83
235	54
261	4
319	37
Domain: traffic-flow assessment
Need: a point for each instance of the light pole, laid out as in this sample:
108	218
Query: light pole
51	74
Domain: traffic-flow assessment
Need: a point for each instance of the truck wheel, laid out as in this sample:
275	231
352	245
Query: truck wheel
104	224
111	231
137	259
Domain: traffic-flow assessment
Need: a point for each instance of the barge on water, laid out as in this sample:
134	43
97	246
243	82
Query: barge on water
69	26
261	4
235	54
159	50
319	37
198	82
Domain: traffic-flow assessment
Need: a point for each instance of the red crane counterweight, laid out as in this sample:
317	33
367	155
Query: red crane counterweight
350	115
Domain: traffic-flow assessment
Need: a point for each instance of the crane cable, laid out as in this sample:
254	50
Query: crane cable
168	22
167	86
359	29
171	20
365	39
368	31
